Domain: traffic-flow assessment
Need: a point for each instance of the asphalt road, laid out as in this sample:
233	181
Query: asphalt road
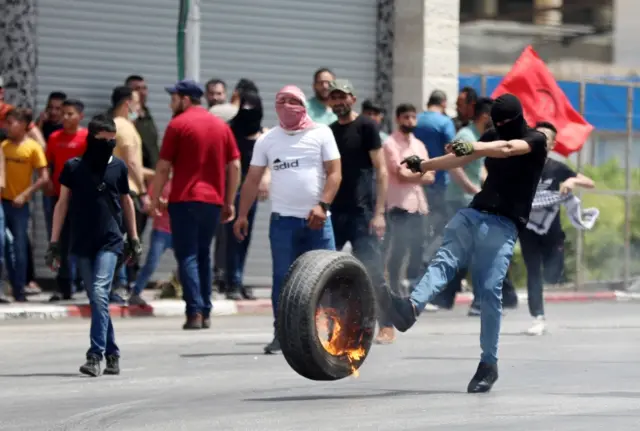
582	376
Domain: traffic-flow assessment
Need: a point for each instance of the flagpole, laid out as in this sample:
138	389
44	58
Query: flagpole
627	189
580	234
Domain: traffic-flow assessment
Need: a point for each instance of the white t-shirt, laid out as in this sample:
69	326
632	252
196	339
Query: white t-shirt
297	171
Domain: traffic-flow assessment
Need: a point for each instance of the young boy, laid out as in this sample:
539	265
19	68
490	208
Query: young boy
160	242
22	156
64	145
100	204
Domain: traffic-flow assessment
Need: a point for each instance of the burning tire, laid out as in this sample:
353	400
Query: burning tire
326	291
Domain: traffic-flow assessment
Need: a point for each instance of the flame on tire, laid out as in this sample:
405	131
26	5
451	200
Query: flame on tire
341	340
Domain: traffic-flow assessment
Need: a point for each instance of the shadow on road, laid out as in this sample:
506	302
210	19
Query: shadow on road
209	355
43	375
385	394
512	359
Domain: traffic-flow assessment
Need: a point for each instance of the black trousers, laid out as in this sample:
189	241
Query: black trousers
405	244
353	227
141	224
544	259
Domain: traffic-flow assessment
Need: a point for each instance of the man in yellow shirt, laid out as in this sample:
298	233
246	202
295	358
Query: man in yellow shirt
22	157
126	106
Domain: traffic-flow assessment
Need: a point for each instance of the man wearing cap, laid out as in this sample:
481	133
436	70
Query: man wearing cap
358	210
376	113
204	156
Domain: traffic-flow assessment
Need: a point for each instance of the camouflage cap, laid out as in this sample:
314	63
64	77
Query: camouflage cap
343	85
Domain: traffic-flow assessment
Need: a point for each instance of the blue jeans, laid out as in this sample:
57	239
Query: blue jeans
193	225
159	243
97	275
290	237
236	255
484	243
17	224
353	227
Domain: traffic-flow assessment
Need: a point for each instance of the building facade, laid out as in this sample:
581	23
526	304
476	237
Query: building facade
391	50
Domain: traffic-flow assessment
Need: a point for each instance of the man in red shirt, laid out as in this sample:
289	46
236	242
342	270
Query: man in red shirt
63	145
204	156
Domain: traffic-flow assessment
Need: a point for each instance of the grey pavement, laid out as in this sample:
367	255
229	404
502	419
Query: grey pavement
582	376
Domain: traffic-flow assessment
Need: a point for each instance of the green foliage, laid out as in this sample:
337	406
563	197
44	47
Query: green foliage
603	246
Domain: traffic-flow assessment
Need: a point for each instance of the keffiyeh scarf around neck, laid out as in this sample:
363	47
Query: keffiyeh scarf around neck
546	205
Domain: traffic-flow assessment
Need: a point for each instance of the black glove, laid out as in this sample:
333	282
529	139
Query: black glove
132	252
413	163
52	256
462	148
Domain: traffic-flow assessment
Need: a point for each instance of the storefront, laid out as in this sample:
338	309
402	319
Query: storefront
86	48
393	51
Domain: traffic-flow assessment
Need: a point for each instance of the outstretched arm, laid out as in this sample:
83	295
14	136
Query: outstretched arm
502	149
447	162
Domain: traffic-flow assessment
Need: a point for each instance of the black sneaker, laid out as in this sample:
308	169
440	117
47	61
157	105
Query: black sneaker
91	367
247	293
233	293
484	378
273	347
113	366
400	310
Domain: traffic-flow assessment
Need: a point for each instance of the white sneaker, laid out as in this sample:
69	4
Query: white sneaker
431	308
539	326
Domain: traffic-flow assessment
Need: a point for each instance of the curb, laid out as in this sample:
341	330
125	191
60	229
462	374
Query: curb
175	308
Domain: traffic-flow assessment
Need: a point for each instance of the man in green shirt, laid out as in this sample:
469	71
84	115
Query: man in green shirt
318	106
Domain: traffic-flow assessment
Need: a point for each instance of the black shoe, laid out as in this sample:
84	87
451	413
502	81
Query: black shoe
247	293
510	301
113	366
91	367
483	380
233	294
273	347
206	322
400	310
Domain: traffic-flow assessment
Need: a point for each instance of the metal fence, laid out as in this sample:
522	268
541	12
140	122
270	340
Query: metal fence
608	254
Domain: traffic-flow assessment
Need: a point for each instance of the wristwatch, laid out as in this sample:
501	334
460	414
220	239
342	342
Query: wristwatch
325	206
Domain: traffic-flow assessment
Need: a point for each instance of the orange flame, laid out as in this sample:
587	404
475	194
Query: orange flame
340	342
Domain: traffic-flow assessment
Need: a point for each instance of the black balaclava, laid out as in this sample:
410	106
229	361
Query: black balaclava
97	154
248	120
508	107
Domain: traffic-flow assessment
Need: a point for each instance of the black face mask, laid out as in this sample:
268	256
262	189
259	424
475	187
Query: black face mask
406	129
248	120
97	154
508	107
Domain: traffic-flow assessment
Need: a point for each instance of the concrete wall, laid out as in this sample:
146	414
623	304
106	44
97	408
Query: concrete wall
426	50
626	21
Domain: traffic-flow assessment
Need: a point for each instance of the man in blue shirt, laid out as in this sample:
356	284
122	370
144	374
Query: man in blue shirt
436	130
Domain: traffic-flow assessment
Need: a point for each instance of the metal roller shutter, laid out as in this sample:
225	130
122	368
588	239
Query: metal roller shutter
279	42
86	48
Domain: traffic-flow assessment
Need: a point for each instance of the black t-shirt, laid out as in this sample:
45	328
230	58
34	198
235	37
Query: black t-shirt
48	128
95	225
245	146
355	140
512	182
554	174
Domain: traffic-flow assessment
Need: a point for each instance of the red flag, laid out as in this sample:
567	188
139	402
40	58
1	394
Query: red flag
543	100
